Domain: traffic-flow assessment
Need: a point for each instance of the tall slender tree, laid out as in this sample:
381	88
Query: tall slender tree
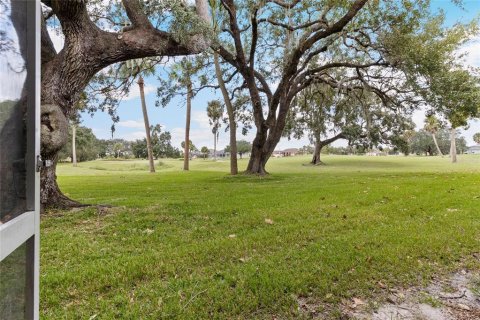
74	121
432	125
186	151
148	136
74	144
183	74
215	6
215	115
139	68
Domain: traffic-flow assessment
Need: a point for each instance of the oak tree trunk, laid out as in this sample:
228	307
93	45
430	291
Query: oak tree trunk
186	158
54	133
259	155
316	154
50	189
141	84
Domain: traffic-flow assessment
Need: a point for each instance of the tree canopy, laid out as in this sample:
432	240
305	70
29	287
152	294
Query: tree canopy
99	34
273	50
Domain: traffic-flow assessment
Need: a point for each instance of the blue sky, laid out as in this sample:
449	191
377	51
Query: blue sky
172	118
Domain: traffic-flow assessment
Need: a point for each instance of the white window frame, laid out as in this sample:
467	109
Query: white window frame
26	227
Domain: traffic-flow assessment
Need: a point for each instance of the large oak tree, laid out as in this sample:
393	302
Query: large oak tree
89	48
278	48
325	115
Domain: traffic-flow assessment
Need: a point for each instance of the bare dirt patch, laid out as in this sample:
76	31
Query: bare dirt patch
454	298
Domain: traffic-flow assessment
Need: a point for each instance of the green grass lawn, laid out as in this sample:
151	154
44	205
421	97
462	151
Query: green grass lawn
195	245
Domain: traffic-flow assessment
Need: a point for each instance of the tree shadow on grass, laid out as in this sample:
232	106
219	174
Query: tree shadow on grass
253	178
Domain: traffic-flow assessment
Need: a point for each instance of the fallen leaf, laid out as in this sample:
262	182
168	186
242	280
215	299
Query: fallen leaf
392	299
463	306
357	302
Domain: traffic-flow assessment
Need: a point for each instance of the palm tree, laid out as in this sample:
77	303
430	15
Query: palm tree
432	125
186	152
204	151
139	67
74	122
215	115
476	138
181	73
74	144
147	124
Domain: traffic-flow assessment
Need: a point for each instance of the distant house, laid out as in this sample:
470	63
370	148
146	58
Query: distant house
376	153
290	152
195	154
218	153
277	154
285	153
473	149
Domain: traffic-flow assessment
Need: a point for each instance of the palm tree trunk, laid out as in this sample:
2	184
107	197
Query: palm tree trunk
215	146
147	124
74	146
231	116
186	152
453	145
436	145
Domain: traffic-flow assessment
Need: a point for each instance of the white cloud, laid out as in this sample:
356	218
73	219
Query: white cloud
201	119
138	124
473	127
102	133
131	136
418	118
472	51
199	137
135	92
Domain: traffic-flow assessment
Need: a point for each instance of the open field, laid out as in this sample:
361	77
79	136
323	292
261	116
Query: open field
196	245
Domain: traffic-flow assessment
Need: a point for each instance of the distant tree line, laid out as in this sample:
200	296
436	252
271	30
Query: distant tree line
421	143
413	142
161	145
89	147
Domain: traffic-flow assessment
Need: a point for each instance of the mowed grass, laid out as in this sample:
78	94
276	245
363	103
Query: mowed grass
195	245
